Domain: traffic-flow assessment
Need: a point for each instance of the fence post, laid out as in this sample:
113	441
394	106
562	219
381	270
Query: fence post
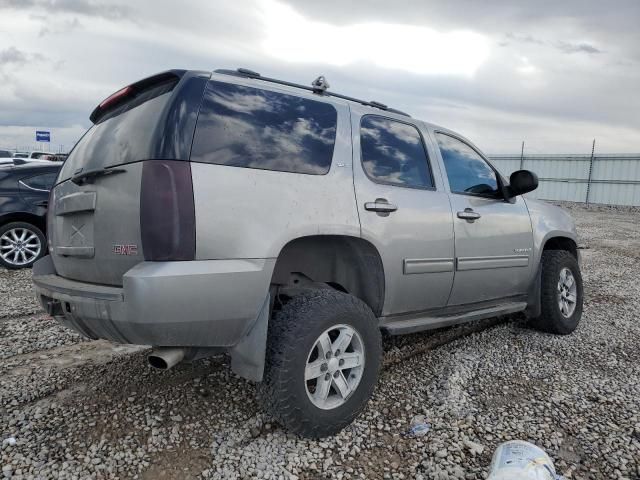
593	147
522	156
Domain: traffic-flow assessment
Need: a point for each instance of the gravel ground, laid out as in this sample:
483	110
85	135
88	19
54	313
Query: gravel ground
71	408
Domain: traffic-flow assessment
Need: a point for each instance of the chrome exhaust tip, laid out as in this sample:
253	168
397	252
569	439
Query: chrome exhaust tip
166	358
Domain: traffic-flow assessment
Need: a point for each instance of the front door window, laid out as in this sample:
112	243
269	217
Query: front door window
467	171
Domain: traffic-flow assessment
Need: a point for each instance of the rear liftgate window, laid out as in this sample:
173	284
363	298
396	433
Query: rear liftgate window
253	128
124	131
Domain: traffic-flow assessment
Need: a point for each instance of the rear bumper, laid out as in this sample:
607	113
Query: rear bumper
210	303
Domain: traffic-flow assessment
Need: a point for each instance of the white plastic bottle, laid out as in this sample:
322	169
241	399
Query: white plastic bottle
519	460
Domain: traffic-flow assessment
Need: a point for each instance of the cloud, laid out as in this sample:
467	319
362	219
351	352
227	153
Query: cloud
567	47
553	71
523	39
56	27
399	46
563	46
90	8
12	55
13	59
108	10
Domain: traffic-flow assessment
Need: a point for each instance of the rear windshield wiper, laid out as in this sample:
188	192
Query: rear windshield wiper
90	175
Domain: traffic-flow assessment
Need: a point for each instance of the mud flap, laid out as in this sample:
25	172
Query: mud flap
247	357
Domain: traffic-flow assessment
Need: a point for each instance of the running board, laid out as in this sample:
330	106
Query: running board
420	322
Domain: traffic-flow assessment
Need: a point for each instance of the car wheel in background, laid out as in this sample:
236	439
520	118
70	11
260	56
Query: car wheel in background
21	244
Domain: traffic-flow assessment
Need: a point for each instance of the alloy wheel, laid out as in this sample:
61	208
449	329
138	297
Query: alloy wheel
334	367
567	293
19	246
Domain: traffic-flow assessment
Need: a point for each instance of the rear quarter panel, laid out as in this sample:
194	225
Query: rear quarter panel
251	213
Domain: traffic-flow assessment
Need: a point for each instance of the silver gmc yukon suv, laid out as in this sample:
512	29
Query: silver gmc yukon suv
288	226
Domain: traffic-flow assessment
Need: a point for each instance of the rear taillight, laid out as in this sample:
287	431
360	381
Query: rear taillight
167	212
115	98
133	95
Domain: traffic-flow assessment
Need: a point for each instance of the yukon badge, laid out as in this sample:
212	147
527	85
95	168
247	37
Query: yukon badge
131	249
521	250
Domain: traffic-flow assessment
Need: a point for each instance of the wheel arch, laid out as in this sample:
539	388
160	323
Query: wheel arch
26	217
346	263
560	242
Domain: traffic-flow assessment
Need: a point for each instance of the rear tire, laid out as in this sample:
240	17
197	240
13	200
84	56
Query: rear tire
21	244
561	293
311	386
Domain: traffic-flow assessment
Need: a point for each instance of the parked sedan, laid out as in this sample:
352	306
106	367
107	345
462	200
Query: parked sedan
40	155
24	193
22	161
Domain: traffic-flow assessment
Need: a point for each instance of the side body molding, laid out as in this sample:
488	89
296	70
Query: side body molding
481	263
427	265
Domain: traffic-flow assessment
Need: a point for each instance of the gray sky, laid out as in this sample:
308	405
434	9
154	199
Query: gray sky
554	74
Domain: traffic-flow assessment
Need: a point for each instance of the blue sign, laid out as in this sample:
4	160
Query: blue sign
42	136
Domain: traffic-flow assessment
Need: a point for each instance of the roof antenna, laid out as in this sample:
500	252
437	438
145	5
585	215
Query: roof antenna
320	85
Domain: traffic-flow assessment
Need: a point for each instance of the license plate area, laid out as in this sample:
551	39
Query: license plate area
77	236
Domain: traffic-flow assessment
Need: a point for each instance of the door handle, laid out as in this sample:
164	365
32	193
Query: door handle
469	215
381	206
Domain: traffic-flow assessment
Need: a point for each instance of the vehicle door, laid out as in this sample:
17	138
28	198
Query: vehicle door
35	188
493	235
404	210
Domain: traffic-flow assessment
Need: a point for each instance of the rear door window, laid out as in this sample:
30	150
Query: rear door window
467	171
393	153
254	128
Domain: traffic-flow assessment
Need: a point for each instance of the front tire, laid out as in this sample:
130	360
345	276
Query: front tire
561	293
323	356
21	244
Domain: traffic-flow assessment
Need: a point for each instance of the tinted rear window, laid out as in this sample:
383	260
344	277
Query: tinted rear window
249	127
393	153
127	137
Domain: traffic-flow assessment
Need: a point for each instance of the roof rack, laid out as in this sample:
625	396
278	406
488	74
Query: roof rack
318	87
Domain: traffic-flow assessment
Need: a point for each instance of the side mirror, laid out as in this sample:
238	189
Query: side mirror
522	181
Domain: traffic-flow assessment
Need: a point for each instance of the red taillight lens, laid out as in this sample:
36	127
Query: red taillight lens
116	97
167	212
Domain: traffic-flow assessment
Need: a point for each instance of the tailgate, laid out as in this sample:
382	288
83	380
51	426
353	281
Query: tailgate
94	218
94	228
